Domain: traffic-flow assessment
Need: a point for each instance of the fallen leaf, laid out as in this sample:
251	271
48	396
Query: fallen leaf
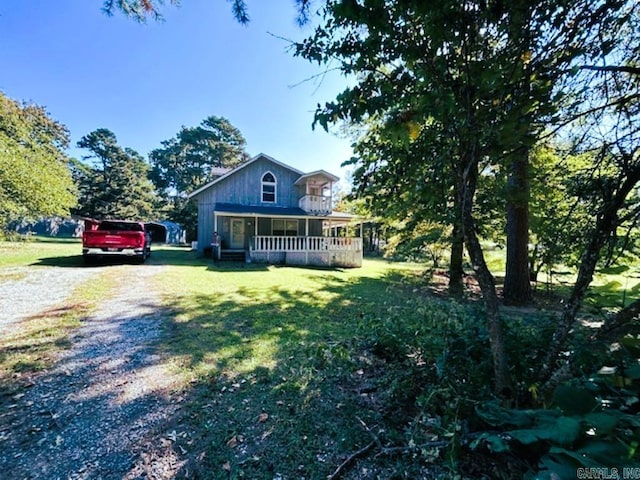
263	417
232	442
226	467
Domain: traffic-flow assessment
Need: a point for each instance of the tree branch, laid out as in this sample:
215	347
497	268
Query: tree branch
350	458
614	325
613	68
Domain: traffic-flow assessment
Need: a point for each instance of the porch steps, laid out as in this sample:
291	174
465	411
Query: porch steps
232	256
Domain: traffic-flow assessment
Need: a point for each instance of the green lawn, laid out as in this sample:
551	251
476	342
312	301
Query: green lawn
41	250
273	359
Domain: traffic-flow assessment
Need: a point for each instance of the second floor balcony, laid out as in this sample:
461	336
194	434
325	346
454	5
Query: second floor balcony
315	204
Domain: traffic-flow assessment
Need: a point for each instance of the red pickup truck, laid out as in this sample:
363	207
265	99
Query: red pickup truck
107	238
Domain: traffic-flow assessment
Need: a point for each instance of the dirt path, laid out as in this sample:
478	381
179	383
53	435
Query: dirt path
97	412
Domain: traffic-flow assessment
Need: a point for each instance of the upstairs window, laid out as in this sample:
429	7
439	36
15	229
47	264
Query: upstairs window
268	188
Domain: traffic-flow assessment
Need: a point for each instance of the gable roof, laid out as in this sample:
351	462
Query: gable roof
319	173
240	167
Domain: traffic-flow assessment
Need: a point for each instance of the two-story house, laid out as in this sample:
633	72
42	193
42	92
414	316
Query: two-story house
266	211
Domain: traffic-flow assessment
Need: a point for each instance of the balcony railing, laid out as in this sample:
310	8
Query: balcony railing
268	243
317	204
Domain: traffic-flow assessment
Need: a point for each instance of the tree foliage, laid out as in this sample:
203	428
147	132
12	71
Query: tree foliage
190	159
34	177
116	183
140	10
471	85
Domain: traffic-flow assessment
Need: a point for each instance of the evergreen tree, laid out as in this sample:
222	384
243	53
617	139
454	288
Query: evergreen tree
116	184
191	159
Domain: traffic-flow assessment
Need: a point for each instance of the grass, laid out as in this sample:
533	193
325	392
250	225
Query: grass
34	347
40	249
272	358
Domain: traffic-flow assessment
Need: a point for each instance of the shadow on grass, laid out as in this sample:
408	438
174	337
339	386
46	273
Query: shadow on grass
165	255
161	255
283	378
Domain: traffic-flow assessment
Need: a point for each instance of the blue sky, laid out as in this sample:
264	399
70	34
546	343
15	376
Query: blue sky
144	81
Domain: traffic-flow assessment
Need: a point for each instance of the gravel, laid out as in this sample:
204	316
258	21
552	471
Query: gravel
35	290
103	411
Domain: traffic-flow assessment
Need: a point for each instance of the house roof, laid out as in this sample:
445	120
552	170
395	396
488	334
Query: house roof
277	211
318	173
240	167
258	209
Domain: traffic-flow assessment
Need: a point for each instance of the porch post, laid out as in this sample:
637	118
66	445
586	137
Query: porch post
305	241
216	250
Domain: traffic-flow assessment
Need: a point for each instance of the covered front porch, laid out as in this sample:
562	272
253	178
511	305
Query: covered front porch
286	236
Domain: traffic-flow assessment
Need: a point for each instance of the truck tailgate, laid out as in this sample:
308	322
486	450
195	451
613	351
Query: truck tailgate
113	239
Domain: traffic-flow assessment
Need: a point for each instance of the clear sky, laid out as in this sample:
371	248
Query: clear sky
144	81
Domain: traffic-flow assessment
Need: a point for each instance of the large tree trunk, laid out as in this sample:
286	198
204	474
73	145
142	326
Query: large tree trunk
486	281
517	286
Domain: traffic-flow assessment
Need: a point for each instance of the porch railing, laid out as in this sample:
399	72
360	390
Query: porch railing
315	204
269	243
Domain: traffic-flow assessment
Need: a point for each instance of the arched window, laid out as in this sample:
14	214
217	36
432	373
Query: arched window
268	188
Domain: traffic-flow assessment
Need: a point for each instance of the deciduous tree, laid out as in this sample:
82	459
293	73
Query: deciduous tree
486	74
34	177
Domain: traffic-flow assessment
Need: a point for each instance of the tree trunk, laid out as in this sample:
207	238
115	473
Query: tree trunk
486	281
456	272
517	286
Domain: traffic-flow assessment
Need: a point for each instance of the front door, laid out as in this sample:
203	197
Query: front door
237	233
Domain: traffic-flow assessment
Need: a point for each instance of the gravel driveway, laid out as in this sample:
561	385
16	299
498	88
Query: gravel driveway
35	290
103	410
